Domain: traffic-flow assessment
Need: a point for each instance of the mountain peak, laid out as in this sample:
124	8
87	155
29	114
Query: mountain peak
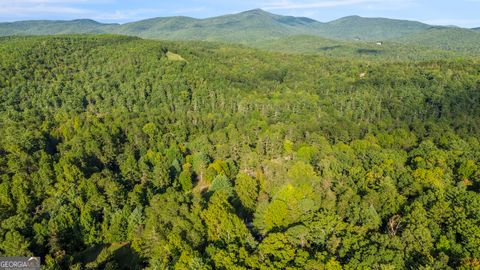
85	20
257	11
245	27
353	17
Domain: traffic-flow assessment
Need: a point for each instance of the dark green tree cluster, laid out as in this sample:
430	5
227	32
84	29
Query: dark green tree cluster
122	153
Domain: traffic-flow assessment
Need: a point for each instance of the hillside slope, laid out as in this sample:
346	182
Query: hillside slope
114	155
260	29
366	50
372	29
454	39
244	27
45	27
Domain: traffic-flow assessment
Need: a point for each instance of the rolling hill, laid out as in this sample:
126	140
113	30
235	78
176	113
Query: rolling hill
262	29
118	152
394	51
452	39
359	28
242	27
245	27
45	27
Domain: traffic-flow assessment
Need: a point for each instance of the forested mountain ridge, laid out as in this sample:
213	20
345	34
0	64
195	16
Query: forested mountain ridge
453	39
371	29
45	27
244	27
368	51
253	28
123	153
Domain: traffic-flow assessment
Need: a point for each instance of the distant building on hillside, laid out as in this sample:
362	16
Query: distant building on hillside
380	43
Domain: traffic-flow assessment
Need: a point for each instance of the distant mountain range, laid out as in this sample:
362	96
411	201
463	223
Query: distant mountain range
258	27
44	27
454	39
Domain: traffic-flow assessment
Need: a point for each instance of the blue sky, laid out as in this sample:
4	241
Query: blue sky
465	13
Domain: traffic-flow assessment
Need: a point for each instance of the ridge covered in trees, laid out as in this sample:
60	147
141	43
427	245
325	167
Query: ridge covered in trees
261	29
123	153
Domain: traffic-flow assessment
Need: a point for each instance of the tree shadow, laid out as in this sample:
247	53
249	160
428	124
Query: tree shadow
369	51
102	256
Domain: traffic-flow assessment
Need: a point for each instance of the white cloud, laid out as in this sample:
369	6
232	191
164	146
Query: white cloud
27	8
189	10
46	2
286	4
139	14
126	15
40	9
66	9
74	9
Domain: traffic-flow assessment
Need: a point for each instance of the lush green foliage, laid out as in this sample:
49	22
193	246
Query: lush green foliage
45	27
351	36
370	51
373	29
114	154
239	28
453	39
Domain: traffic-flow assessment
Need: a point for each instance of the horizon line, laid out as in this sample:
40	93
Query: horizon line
427	22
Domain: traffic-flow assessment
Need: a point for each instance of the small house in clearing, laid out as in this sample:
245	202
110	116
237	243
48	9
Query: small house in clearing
380	43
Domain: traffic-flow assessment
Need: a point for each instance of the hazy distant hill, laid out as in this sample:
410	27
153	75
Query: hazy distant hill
246	27
254	25
306	44
456	39
45	27
355	27
243	27
260	28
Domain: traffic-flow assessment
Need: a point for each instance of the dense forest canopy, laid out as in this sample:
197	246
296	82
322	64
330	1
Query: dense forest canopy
123	153
352	36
